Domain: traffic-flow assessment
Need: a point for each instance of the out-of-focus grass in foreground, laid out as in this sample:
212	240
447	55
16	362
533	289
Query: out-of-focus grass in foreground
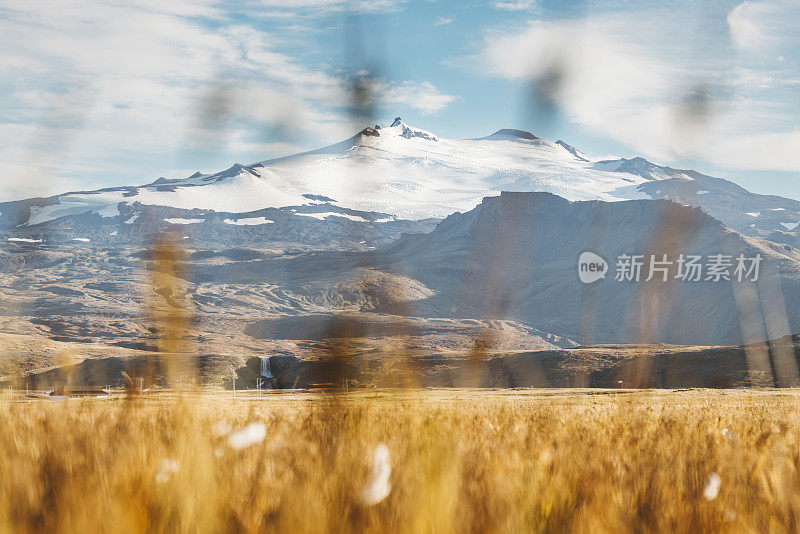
437	461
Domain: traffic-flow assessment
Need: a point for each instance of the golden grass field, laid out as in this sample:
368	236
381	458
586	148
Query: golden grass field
429	461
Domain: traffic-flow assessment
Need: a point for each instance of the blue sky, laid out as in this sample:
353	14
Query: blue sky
117	93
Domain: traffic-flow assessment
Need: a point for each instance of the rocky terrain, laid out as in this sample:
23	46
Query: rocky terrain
515	257
63	304
499	281
390	245
603	366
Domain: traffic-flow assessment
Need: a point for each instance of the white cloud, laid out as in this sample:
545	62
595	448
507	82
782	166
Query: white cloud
514	5
648	80
767	151
443	21
604	82
423	97
361	6
744	31
766	26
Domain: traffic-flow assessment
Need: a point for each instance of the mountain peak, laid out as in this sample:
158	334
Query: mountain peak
522	134
369	131
236	168
572	150
637	165
409	132
510	134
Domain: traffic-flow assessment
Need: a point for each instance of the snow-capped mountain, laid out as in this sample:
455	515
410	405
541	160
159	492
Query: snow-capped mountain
385	174
322	232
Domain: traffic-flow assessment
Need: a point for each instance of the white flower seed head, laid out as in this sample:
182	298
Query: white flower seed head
247	436
713	483
378	487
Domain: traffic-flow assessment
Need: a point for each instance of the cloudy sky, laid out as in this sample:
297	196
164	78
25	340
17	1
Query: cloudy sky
122	92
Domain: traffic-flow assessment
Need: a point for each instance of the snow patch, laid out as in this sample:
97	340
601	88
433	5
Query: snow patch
108	212
323	216
249	190
24	240
753	213
248	221
81	239
178	220
790	226
703	192
73	205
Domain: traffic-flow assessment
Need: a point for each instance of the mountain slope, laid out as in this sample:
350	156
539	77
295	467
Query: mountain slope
396	172
516	257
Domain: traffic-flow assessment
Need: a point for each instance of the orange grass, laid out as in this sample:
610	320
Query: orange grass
461	461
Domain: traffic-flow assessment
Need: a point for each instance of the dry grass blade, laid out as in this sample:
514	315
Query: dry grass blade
169	311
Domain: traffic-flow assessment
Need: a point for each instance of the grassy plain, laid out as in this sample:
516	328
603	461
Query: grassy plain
407	461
